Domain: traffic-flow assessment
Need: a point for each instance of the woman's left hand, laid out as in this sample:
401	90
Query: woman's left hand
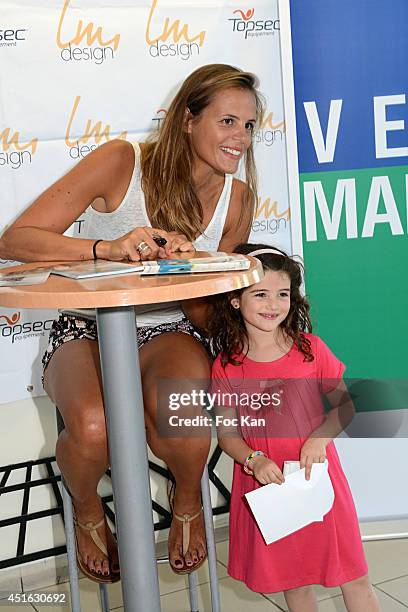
312	451
178	243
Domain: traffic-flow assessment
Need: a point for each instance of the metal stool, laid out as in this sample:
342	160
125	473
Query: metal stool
103	591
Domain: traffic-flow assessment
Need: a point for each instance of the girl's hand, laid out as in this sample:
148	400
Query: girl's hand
265	470
137	245
312	451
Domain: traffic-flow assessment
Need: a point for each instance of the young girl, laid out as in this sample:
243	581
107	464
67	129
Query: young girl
263	335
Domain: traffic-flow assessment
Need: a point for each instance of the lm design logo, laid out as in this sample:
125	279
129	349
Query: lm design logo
13	151
94	131
71	35
166	38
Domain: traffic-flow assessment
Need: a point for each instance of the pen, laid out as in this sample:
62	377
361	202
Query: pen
160	241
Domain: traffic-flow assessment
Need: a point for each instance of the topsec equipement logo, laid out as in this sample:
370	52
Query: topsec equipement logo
249	27
10	37
13	151
71	34
13	329
86	138
167	38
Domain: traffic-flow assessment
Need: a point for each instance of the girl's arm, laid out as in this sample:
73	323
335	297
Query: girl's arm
340	415
235	447
231	442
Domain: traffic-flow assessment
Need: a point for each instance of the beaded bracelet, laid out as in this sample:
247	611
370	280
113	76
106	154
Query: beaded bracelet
257	453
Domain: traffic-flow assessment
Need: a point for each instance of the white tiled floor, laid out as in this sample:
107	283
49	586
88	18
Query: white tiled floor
387	560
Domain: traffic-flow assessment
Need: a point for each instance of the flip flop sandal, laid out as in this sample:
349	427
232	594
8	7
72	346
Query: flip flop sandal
185	519
92	529
171	492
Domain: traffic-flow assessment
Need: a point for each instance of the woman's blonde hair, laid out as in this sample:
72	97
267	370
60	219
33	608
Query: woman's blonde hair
172	203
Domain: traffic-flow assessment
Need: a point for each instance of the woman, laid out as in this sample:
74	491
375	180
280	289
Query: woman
179	187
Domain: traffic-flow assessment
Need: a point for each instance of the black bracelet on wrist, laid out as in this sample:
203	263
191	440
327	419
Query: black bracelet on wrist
94	248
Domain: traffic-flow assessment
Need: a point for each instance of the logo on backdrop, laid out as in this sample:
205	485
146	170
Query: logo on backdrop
82	139
160	115
14	152
268	218
12	328
270	132
244	22
167	38
15	317
11	38
84	42
245	16
79	226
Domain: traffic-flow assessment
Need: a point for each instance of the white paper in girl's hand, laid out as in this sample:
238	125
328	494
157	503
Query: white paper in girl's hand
289	467
279	510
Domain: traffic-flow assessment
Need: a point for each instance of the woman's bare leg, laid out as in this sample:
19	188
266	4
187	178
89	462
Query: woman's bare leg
178	357
73	381
359	595
302	599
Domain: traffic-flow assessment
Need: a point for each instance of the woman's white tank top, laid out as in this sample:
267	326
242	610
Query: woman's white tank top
132	213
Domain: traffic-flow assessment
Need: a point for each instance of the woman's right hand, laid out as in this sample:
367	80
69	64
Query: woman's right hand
137	245
265	470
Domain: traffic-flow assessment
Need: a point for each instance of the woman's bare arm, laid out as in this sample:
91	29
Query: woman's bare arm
37	234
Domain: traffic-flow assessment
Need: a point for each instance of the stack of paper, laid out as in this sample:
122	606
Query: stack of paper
217	263
279	510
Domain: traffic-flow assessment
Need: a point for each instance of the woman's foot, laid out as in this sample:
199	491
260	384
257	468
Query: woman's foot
92	557
196	546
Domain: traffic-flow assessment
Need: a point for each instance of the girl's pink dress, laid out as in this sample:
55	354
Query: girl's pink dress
329	553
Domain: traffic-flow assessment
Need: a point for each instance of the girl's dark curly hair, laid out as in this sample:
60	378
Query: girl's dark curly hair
227	328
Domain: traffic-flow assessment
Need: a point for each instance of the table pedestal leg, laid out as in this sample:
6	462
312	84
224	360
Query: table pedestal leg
128	455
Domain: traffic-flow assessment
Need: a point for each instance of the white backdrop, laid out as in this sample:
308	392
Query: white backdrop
76	73
125	61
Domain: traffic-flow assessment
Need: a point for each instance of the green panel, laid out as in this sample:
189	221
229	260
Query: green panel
358	287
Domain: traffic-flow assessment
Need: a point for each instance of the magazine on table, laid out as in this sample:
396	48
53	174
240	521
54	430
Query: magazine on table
214	262
99	267
219	262
26	277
